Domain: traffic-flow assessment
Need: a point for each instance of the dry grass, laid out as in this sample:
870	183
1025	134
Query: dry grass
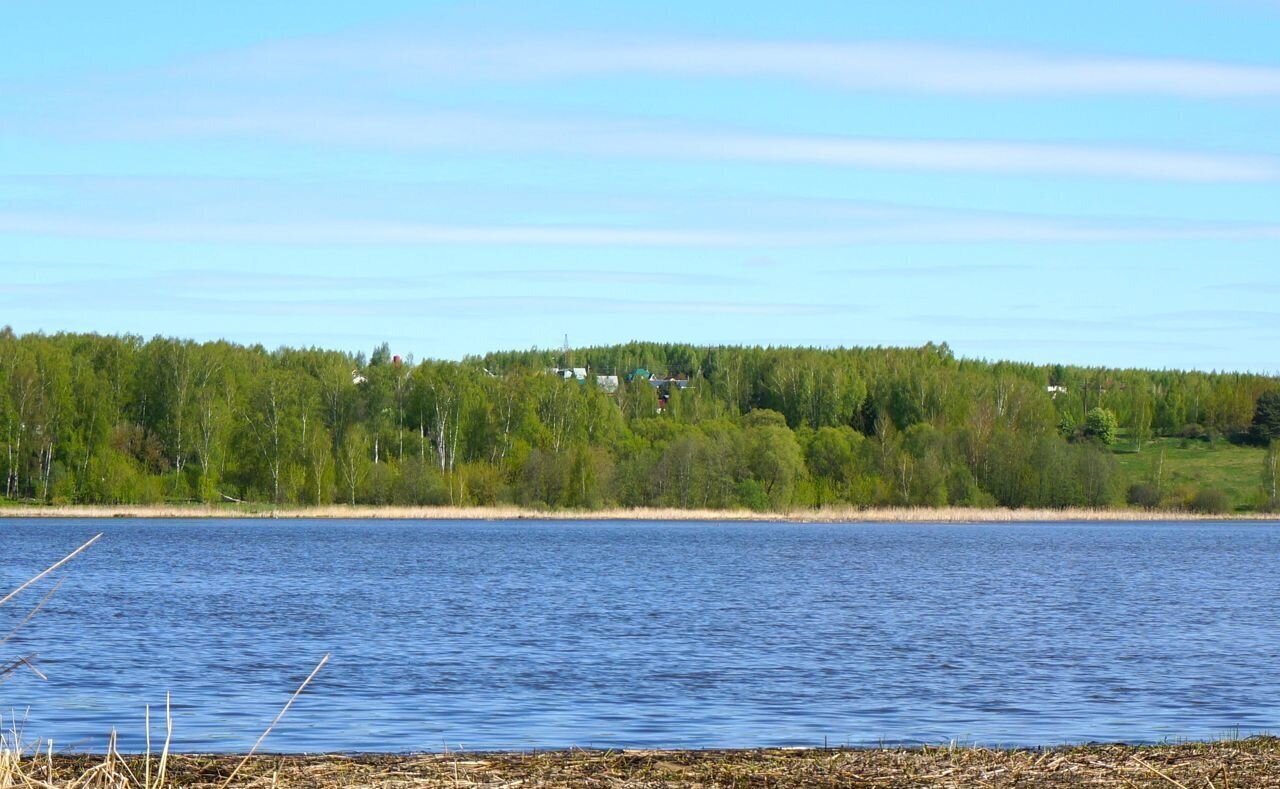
39	768
826	515
1246	763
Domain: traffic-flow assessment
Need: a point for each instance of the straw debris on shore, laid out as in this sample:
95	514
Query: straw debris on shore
1253	762
823	515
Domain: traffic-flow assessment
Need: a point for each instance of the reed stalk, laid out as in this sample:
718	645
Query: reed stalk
502	512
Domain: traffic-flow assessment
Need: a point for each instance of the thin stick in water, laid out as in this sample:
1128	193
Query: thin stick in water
279	715
50	569
32	613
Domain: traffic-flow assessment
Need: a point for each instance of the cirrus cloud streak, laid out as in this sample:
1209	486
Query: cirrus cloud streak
859	65
480	133
975	228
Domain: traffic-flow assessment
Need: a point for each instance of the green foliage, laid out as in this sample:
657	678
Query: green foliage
775	461
1265	426
92	419
1100	424
1271	477
752	495
1144	495
1209	501
1067	425
833	456
1178	468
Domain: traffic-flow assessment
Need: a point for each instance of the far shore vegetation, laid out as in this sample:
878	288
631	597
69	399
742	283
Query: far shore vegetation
169	425
389	512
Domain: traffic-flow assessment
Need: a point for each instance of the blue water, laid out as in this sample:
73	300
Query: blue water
518	635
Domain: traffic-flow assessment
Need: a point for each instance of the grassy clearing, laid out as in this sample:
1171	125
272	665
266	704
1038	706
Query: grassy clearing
1190	465
825	515
1253	763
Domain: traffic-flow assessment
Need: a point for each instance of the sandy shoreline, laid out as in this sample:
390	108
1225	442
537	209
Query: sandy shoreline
841	515
1252	762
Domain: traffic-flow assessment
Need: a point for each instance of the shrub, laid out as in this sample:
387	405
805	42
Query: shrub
1193	431
1144	495
1209	501
1101	424
480	484
1261	501
1067	425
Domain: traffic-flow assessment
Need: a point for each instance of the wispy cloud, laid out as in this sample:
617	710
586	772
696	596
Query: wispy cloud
976	228
214	280
275	304
480	133
1202	320
1134	351
219	285
1217	319
1009	158
325	231
235	293
1042	323
599	277
1255	288
914	66
912	271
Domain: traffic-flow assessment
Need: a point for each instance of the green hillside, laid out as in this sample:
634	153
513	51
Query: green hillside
1182	467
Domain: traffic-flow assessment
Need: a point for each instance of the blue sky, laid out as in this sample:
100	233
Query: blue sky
1095	183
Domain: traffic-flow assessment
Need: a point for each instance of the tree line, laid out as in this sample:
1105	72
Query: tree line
86	418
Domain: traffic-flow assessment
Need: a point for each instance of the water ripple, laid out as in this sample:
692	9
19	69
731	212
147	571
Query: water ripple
520	635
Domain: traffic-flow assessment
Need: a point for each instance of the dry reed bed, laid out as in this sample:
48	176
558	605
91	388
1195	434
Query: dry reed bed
830	515
1244	763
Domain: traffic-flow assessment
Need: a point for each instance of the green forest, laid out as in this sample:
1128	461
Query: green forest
98	419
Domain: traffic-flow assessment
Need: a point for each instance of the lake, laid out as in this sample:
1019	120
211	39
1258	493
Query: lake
536	634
